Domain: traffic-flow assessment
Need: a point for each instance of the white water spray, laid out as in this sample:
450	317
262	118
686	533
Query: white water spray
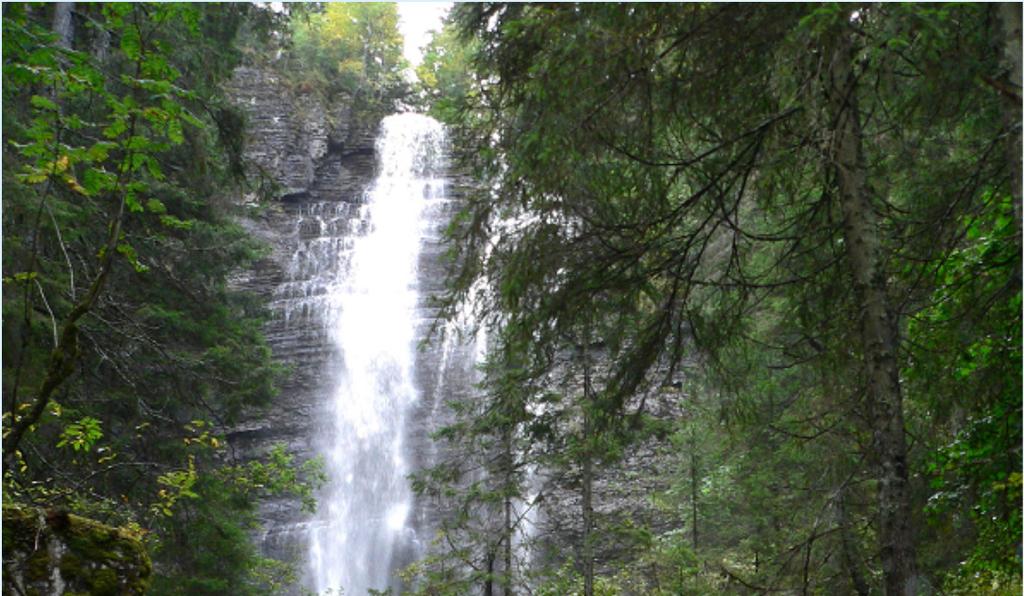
362	519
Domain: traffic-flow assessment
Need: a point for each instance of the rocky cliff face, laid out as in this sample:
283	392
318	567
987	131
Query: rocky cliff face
623	497
320	161
312	149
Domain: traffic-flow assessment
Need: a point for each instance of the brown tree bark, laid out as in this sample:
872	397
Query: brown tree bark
878	333
1009	15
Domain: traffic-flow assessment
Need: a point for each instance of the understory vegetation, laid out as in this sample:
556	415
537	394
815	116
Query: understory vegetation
127	352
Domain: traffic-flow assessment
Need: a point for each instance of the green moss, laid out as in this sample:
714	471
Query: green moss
70	567
19	527
95	559
19	543
37	566
104	581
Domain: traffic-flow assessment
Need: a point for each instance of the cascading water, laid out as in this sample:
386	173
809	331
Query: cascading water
371	314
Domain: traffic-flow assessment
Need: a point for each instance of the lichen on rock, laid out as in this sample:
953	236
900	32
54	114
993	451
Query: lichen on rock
54	552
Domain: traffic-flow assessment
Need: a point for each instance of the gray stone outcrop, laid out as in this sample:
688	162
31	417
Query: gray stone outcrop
54	552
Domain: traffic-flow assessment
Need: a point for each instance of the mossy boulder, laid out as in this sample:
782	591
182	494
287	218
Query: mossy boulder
57	553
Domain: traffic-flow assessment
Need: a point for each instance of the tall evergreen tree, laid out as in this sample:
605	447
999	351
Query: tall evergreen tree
725	174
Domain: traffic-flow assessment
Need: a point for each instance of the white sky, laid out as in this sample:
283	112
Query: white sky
415	21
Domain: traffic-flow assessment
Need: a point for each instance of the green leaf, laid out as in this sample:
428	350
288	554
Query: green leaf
173	222
81	435
100	150
116	129
129	253
155	206
96	180
133	203
42	103
154	169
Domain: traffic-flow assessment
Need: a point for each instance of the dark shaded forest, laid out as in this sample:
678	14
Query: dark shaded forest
781	244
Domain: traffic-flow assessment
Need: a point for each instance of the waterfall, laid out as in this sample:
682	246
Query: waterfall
362	522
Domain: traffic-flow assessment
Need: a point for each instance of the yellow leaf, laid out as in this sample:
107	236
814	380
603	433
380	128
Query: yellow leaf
34	176
75	186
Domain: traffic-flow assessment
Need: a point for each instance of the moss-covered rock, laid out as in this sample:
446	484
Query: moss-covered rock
53	552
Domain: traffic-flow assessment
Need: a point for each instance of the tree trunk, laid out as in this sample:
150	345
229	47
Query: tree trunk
693	489
508	513
588	517
101	43
63	26
848	549
65	354
588	477
1009	14
878	335
489	579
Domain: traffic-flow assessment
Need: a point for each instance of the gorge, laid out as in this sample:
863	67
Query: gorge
607	299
